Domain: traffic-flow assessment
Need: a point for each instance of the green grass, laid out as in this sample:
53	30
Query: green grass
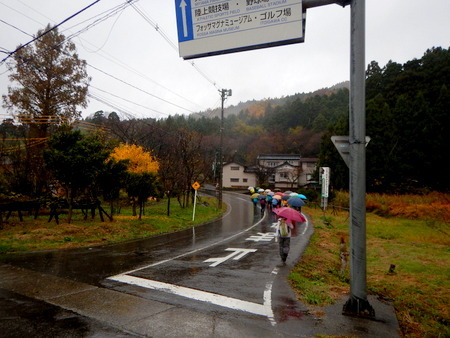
40	234
419	286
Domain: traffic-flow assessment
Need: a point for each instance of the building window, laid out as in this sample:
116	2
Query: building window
283	174
234	168
310	164
234	180
245	180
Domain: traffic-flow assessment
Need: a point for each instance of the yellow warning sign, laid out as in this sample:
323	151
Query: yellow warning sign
196	185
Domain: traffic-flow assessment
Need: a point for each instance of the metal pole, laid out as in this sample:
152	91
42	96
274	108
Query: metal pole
195	204
357	304
222	94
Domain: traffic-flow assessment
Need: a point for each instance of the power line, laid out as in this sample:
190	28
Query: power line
140	89
129	101
173	45
48	31
6	23
110	13
109	104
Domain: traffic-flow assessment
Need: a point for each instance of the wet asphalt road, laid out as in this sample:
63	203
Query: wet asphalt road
227	273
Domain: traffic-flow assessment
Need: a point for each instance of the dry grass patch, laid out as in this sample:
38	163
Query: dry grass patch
418	247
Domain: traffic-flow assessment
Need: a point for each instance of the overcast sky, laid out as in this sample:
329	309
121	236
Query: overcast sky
139	71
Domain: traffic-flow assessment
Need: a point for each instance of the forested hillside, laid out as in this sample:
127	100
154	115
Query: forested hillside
407	119
408	109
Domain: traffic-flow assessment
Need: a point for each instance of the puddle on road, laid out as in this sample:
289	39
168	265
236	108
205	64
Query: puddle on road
288	310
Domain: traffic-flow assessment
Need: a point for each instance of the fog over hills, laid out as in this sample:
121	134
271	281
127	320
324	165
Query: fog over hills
255	106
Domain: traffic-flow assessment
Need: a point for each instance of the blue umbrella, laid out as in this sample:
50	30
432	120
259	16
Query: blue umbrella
303	197
295	202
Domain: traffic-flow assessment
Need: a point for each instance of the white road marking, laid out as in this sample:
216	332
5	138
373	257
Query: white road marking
233	303
196	250
268	297
207	297
306	225
237	254
262	237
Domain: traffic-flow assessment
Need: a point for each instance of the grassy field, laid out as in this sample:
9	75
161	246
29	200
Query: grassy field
40	234
410	232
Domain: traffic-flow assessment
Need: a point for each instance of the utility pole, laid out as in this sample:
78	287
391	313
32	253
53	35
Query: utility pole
224	93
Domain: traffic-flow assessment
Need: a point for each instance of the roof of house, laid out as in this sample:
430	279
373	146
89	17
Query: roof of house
279	157
247	169
310	159
232	162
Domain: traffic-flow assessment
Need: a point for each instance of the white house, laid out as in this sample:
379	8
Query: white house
236	175
285	172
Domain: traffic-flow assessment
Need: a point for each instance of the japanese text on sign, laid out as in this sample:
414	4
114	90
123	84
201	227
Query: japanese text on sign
211	18
211	27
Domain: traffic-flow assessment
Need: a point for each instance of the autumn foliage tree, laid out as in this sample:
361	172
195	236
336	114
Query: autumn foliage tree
142	168
139	160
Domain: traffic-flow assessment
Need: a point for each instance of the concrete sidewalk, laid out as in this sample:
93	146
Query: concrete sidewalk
43	305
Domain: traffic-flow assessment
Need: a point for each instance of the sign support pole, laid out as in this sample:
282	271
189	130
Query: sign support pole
222	95
195	204
357	304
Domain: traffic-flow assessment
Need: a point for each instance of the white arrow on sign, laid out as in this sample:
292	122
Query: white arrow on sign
237	254
183	6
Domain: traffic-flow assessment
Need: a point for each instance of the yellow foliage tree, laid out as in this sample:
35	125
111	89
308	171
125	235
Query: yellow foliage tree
140	161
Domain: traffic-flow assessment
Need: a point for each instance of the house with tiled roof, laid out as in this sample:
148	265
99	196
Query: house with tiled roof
284	171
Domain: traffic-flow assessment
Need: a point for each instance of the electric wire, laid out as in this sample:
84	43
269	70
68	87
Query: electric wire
15	10
140	89
48	31
110	13
129	101
10	25
173	45
114	11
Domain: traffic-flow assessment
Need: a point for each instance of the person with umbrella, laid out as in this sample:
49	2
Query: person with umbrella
284	233
287	217
296	202
262	202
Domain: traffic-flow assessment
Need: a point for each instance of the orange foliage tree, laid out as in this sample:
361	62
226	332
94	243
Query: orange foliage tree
139	160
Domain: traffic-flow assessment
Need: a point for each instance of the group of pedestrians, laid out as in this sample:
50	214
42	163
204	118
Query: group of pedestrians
287	213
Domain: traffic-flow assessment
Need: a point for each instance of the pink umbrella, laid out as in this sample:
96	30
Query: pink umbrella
290	214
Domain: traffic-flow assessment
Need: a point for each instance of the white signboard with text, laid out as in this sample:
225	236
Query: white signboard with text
211	27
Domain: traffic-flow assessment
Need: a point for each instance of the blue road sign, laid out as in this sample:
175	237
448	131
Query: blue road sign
211	27
184	20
